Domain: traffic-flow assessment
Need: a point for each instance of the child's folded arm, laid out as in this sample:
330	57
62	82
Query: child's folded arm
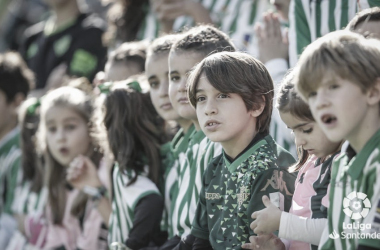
293	227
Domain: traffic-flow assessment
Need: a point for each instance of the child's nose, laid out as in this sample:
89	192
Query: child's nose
183	84
300	141
210	108
60	135
321	101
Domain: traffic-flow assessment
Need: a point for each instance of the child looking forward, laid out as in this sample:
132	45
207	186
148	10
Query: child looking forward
232	93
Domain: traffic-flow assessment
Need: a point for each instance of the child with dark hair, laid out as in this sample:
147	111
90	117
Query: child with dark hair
157	72
195	45
133	134
232	93
126	60
15	82
366	22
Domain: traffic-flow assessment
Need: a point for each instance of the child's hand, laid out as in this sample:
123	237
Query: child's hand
264	242
267	220
271	43
82	172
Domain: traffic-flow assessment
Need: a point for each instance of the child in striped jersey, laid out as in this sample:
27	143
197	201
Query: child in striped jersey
312	19
157	72
134	134
15	82
195	45
310	197
31	197
232	93
339	76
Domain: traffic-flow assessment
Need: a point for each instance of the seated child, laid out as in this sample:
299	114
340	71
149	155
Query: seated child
232	93
196	44
339	76
16	80
126	60
310	199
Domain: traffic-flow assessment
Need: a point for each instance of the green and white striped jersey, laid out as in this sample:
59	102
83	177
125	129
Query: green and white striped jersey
124	200
354	212
310	19
200	152
217	8
28	202
171	163
239	20
10	171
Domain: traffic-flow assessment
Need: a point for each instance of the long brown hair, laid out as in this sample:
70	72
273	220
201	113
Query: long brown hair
29	118
289	100
55	173
134	130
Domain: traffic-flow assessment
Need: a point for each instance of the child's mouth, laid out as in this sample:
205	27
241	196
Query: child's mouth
328	119
64	151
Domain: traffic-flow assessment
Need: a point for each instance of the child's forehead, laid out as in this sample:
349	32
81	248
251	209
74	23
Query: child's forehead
184	61
326	79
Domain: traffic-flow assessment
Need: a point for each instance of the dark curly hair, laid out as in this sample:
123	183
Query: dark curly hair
204	39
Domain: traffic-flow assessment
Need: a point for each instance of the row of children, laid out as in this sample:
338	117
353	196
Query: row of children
97	175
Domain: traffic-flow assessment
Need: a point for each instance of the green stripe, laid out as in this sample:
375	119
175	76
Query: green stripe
234	22
142	29
344	16
373	3
12	185
302	29
157	31
252	16
118	200
212	6
332	6
318	17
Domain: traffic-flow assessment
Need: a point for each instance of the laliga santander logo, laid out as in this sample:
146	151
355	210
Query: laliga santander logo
356	205
353	205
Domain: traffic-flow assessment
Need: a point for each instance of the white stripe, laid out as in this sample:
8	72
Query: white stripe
312	18
338	13
363	4
351	10
337	206
292	36
325	17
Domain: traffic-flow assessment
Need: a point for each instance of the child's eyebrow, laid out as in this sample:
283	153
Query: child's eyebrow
173	72
152	77
48	122
300	125
70	119
198	91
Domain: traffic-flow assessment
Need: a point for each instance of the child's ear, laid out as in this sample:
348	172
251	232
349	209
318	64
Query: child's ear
374	93
257	112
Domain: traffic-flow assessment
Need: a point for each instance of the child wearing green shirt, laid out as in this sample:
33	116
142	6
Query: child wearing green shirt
232	93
